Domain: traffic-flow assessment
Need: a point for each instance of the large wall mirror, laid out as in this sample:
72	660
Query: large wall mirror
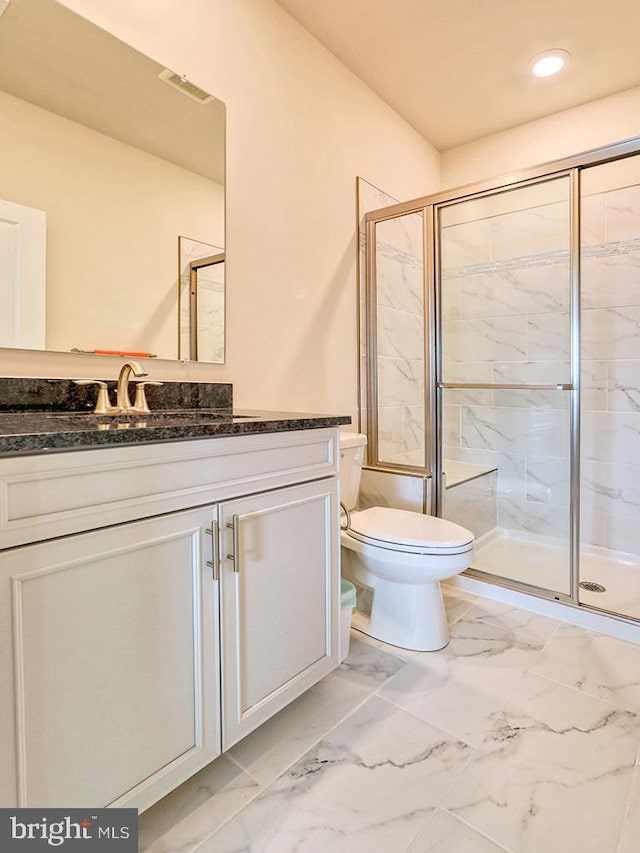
111	180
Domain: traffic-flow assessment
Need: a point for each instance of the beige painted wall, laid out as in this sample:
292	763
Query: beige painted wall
300	127
114	214
569	132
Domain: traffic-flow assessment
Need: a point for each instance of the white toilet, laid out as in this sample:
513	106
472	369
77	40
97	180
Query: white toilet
400	557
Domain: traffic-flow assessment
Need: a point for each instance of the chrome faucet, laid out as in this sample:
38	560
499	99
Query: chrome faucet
123	402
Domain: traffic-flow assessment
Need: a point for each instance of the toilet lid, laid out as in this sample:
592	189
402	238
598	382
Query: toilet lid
400	528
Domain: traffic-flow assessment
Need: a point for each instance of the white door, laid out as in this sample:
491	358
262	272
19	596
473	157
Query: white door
22	276
279	600
116	662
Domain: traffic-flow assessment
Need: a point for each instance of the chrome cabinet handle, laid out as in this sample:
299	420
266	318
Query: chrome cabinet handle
234	526
214	563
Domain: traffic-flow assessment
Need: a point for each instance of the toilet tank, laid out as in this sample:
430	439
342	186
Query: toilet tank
352	447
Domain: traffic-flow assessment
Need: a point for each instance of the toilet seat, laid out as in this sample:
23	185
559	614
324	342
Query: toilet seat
409	532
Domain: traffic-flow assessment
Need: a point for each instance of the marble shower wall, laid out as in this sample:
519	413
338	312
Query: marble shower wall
400	330
505	319
400	327
611	351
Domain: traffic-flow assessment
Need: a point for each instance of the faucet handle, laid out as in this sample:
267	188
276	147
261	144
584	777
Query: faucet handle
103	404
140	404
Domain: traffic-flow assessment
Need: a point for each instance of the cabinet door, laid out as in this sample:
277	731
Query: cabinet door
116	662
279	600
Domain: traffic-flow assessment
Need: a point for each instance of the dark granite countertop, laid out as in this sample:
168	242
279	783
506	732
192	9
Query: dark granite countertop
35	432
49	415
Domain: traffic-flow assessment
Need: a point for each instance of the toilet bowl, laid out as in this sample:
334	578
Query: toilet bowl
397	559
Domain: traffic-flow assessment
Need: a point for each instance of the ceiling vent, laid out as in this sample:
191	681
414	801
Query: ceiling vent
184	85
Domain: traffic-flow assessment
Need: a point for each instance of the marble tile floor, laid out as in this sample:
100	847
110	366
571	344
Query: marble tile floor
522	735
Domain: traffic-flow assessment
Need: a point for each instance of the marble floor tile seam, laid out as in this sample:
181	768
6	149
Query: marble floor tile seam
517	848
472	746
423	658
494	622
367	694
453	619
606	701
627	815
496	712
430	819
628	811
261	789
430	722
425	826
192	848
585	696
459	595
477	829
406	655
537	646
244	769
420	831
442	794
206	838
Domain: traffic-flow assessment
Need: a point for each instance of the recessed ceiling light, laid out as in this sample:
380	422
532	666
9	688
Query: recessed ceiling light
549	63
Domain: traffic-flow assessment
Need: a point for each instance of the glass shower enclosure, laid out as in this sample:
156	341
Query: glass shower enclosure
502	340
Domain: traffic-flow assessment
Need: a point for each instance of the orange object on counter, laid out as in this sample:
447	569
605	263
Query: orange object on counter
125	352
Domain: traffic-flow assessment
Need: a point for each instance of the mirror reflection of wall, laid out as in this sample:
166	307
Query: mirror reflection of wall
121	163
23	251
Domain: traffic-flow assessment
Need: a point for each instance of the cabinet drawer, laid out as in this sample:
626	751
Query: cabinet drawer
48	496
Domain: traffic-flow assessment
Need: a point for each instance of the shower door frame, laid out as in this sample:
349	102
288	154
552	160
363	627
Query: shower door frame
429	206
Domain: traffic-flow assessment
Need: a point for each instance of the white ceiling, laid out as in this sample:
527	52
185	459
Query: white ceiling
457	69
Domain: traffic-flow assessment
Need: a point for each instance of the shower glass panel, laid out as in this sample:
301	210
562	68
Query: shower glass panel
505	378
206	309
610	455
398	327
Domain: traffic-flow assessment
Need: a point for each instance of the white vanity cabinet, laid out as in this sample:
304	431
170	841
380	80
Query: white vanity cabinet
133	652
276	579
115	653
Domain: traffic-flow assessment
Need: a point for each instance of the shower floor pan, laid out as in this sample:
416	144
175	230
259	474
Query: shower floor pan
544	563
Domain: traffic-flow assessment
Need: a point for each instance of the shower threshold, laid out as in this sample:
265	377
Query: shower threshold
543	562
